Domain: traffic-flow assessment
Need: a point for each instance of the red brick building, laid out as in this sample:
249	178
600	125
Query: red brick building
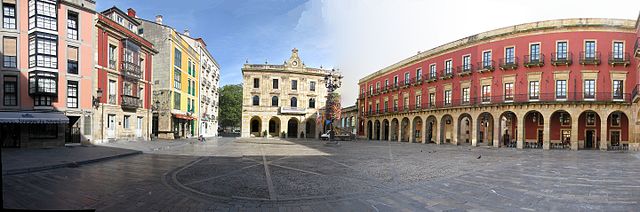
568	83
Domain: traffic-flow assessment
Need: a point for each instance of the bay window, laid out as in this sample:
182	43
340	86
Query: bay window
43	50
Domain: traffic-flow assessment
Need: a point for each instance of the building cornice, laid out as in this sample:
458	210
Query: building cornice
577	24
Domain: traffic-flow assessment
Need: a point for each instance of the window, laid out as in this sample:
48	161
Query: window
113	55
42	100
274	82
561	50
432	71
418	101
43	130
188	104
177	79
312	86
589	89
395	81
9	16
294	85
189	67
72	60
466	63
447	97
615	138
10	95
72	94
508	91
43	83
72	25
617	89
591	119
448	67
534	90
189	86
534	51
370	89
486	93
43	50
590	49
465	95
419	74
405	103
112	92
274	101
177	58
432	99
561	89
176	100
377	107
294	102
9	52
43	14
312	103
618	50
486	59
615	120
406	78
509	54
386	83
119	19
386	106
395	105
256	83
377	87
255	101
125	122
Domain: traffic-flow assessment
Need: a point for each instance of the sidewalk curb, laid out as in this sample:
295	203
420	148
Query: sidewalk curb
68	164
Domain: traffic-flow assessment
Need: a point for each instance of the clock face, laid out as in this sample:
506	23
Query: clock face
295	63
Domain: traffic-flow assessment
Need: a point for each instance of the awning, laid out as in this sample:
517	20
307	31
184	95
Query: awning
33	118
180	116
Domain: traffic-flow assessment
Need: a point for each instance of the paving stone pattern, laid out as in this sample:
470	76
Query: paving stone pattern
274	175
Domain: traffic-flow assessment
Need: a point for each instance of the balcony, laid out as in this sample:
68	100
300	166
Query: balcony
361	96
619	58
131	70
589	58
536	60
431	78
465	70
561	58
486	66
637	48
446	73
509	63
416	81
293	110
131	102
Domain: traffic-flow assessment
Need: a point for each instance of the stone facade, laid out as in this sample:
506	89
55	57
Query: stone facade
282	99
475	91
348	119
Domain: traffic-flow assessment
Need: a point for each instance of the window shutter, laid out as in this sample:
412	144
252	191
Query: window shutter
9	1
72	53
10	45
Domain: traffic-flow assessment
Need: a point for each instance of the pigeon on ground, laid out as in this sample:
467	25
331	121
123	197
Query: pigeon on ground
479	156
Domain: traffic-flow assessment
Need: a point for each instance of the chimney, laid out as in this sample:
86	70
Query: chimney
186	32
159	19
131	12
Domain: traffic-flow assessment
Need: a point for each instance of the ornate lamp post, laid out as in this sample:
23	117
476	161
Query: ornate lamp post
333	81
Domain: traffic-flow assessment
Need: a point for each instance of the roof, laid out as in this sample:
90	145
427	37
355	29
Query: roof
121	13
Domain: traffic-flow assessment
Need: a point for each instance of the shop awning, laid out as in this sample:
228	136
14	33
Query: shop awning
33	118
185	117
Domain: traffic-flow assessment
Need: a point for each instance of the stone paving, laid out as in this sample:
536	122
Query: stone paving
275	175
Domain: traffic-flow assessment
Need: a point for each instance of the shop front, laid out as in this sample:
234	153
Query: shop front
32	129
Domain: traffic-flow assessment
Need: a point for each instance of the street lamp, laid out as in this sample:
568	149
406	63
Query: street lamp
333	81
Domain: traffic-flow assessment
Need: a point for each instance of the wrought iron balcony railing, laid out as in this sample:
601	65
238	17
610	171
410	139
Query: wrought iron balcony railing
590	58
131	102
486	66
509	63
561	58
432	77
533	60
466	69
619	58
131	70
446	73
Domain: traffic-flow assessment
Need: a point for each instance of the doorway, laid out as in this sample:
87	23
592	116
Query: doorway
540	137
111	126
588	143
139	127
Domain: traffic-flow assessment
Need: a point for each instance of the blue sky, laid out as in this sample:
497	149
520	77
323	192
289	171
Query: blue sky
236	31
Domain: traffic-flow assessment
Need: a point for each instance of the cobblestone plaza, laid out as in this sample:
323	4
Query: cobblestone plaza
303	175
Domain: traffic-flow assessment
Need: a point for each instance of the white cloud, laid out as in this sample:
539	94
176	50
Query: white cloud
368	35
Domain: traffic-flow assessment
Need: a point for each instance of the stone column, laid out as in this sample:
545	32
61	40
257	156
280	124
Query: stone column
423	131
496	131
399	136
390	130
574	132
410	129
475	128
265	126
604	139
521	130
436	135
546	138
454	134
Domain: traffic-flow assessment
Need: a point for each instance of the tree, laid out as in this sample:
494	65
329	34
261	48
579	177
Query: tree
230	110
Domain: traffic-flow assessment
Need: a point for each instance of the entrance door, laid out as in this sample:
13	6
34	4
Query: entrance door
540	136
430	133
588	143
72	133
139	127
111	126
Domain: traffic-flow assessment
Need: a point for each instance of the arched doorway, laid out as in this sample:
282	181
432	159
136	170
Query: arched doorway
533	129
508	134
446	129
617	131
404	128
274	126
370	130
255	126
431	127
310	128
394	129
376	134
485	129
385	130
417	129
589	131
292	128
464	129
